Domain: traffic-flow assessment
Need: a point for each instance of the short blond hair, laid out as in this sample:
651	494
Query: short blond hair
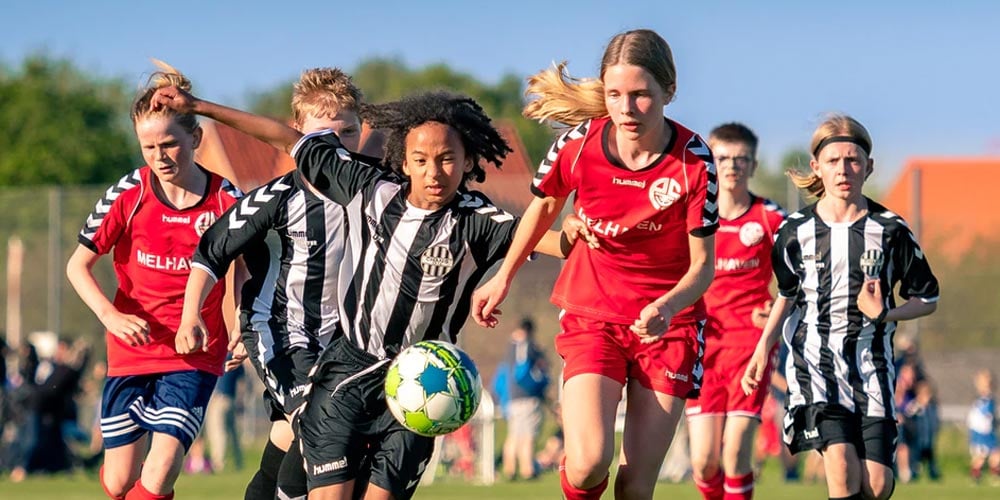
323	92
165	77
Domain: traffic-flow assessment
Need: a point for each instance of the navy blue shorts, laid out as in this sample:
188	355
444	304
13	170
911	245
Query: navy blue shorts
169	403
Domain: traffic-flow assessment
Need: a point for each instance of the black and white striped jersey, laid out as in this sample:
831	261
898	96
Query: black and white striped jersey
292	242
408	274
836	355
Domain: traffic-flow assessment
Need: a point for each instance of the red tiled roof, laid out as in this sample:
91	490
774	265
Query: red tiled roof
957	201
510	187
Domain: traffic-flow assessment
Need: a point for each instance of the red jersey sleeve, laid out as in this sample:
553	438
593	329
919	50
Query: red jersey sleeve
107	222
555	173
703	189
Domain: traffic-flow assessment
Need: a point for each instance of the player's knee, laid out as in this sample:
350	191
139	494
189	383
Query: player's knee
116	486
586	473
705	467
879	487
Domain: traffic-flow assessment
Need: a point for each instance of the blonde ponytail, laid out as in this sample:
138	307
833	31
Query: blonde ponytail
563	99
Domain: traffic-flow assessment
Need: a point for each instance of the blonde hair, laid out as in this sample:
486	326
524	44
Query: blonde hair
562	98
322	92
834	125
167	76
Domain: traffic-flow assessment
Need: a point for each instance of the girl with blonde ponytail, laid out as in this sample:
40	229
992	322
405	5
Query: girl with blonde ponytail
159	379
645	190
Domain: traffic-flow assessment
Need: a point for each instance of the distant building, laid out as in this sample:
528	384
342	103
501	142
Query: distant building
957	204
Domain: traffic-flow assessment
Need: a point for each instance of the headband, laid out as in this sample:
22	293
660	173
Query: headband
860	142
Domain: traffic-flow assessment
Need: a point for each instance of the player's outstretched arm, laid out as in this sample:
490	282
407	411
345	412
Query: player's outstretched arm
539	216
266	129
127	327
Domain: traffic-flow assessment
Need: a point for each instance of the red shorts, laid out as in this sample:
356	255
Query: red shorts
769	433
721	393
670	366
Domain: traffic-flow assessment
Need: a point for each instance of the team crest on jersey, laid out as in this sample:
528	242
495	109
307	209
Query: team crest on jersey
663	192
871	263
203	222
437	261
751	233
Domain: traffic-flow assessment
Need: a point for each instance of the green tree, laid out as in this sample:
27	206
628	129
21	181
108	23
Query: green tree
383	79
59	125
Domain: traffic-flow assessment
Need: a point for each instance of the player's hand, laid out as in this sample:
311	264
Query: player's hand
575	228
870	299
173	98
486	299
760	313
652	323
238	349
754	373
127	327
191	336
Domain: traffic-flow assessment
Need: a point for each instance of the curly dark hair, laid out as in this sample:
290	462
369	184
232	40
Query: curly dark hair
480	139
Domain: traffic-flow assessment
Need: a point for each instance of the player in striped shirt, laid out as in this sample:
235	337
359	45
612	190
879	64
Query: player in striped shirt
292	240
645	185
837	263
159	381
417	246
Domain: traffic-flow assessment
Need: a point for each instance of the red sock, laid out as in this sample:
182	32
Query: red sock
573	493
100	474
712	488
139	492
739	487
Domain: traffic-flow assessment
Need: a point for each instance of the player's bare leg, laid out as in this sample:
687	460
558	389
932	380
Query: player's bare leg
340	491
122	465
650	422
590	404
876	481
843	470
706	444
163	464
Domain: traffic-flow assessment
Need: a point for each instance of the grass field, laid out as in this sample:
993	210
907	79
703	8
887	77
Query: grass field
80	486
955	485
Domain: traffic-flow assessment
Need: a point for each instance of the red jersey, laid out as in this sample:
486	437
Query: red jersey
642	218
153	244
742	274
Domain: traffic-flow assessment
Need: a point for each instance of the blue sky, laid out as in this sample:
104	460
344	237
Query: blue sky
921	75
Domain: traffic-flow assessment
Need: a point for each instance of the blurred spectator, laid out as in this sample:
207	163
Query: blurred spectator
906	381
907	353
20	426
982	421
458	453
522	379
221	431
196	461
53	409
922	422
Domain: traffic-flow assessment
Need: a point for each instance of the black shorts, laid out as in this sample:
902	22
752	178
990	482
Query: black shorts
285	376
345	423
817	426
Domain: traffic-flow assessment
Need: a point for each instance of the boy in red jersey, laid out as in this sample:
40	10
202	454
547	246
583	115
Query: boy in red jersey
645	186
723	419
152	220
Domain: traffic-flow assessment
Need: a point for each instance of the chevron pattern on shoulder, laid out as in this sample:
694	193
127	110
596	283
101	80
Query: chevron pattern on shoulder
574	133
231	189
253	201
128	181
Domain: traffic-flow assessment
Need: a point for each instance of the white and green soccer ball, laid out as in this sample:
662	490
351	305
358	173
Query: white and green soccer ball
433	388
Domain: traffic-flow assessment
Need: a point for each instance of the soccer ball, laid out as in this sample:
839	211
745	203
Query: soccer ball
433	388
